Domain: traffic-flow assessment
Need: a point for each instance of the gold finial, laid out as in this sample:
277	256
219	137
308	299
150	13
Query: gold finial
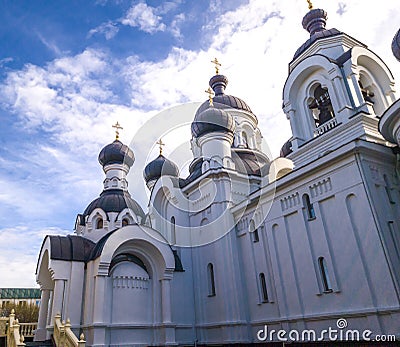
217	65
117	127
160	144
210	93
310	5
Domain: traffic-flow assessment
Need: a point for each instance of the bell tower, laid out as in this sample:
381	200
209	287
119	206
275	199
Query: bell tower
336	91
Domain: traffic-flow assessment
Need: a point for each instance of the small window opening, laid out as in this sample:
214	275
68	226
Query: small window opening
254	232
125	222
173	230
326	283
263	285
309	207
245	140
99	223
211	280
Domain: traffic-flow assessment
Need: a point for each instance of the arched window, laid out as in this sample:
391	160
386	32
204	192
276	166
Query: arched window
173	230
125	222
254	232
263	287
321	106
308	207
245	140
99	223
211	280
326	283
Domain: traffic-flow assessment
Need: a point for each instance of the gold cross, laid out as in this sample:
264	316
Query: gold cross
160	144
217	65
210	95
117	129
310	5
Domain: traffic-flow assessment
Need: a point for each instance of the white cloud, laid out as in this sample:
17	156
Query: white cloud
108	29
5	61
143	16
19	251
52	46
174	27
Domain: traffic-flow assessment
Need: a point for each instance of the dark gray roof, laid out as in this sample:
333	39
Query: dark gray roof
158	167
315	37
225	101
396	45
249	162
114	200
286	149
116	153
221	100
20	293
70	248
211	120
194	172
98	248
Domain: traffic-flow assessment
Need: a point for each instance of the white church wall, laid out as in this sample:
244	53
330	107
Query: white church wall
383	191
343	232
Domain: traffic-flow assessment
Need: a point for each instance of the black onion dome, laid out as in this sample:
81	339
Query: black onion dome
116	153
159	167
221	100
114	200
396	46
212	120
314	22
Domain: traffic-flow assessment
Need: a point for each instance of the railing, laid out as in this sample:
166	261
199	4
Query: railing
16	331
64	336
323	128
14	338
27	329
3	326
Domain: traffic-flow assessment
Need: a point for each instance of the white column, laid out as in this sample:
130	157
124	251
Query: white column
100	285
58	297
295	125
169	330
40	333
99	303
166	300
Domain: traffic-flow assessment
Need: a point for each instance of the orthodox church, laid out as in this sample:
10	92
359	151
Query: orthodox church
245	242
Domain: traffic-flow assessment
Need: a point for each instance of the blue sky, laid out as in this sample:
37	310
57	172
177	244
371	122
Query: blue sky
71	69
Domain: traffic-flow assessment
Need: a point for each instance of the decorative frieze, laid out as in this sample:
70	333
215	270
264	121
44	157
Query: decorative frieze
290	201
321	187
131	282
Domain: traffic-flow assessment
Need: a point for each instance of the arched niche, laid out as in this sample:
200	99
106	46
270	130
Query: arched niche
299	91
375	74
132	290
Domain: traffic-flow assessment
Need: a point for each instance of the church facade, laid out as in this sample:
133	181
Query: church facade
245	243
